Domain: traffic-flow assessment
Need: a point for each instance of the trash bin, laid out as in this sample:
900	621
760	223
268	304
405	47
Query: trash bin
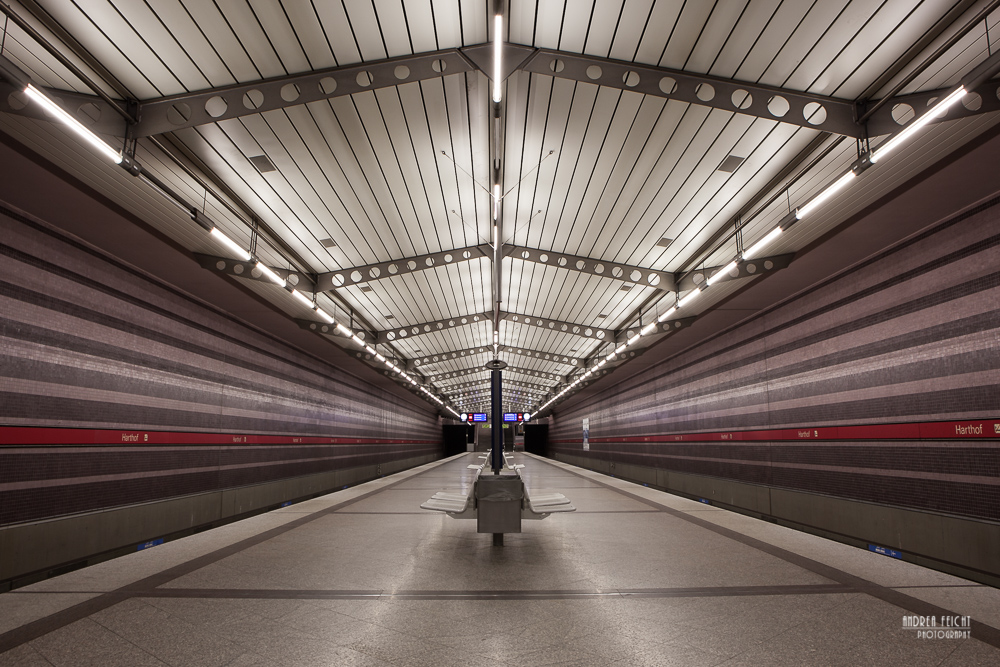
498	501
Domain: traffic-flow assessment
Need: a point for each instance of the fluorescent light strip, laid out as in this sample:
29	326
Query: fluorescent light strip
497	52
721	273
938	109
396	369
221	237
275	278
73	123
763	243
831	190
689	298
303	298
667	314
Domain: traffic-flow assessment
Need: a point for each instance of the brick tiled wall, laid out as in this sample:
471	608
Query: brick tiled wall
912	335
88	343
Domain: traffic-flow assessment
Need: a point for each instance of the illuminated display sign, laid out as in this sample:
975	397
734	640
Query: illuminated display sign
471	417
516	416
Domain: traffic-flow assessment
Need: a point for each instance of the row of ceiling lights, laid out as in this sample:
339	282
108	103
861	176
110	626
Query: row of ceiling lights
862	164
241	253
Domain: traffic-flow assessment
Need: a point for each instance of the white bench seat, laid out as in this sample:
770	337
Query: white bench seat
444	505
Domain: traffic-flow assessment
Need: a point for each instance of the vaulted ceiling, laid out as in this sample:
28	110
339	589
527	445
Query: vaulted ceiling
353	146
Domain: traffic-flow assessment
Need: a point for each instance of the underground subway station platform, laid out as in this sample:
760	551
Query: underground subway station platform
508	332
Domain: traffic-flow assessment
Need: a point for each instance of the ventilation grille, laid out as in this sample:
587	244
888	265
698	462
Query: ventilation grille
263	163
731	164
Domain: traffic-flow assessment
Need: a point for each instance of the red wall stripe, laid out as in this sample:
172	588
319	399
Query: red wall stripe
31	435
976	429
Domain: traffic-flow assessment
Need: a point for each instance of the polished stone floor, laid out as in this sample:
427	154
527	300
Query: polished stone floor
365	577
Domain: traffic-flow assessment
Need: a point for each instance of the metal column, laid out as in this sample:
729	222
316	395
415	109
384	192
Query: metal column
496	422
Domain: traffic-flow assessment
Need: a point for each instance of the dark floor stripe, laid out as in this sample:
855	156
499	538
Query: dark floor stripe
292	594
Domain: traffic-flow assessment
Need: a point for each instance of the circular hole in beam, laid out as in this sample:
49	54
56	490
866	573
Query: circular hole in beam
705	92
741	99
216	106
253	99
778	106
327	85
290	92
814	113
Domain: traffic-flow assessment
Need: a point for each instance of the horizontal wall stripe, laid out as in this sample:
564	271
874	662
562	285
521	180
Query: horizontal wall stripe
965	429
880	384
19	435
116	389
62	306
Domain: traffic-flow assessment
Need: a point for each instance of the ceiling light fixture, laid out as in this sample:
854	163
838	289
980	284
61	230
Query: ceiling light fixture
303	298
221	237
936	111
72	123
764	242
692	295
497	52
721	273
274	277
828	192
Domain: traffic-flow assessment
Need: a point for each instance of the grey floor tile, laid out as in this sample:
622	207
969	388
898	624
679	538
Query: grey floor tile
624	545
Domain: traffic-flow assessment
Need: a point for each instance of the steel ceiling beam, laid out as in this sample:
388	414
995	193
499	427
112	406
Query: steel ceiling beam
642	276
566	360
467	385
595	333
485	383
906	108
413	330
455	355
450	375
211	106
358	275
331	330
760	266
818	112
92	111
234	267
423	328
